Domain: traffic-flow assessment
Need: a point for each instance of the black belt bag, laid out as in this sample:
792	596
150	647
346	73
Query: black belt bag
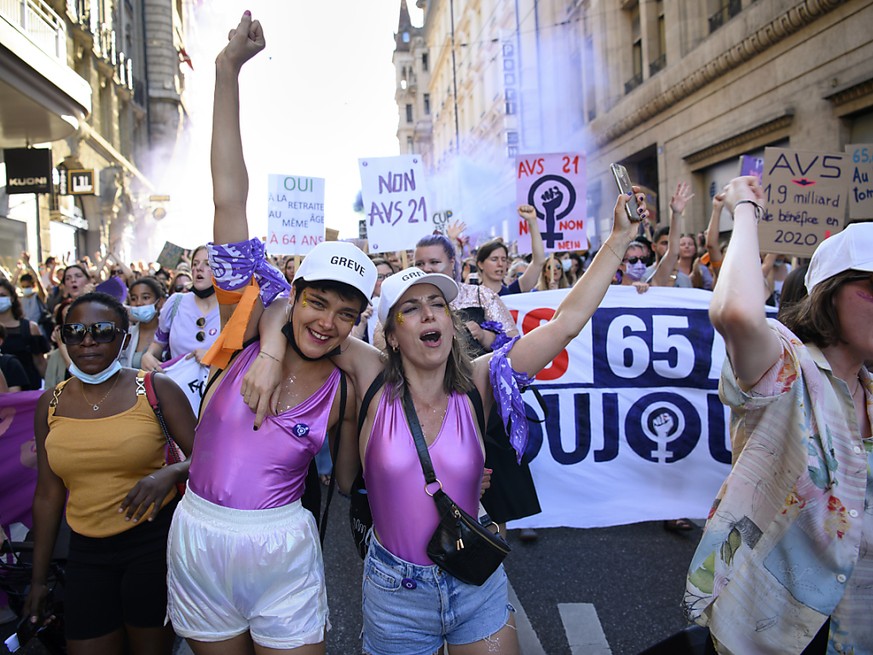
461	545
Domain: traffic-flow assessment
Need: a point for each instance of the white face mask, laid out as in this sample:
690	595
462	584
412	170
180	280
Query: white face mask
29	291
566	264
5	303
635	271
97	378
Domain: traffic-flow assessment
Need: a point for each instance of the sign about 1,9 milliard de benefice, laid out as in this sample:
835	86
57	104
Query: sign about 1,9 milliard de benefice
806	195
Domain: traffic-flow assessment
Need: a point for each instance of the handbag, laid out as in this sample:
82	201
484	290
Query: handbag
173	456
460	545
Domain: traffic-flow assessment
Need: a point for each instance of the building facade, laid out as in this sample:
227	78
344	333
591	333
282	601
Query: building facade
105	95
673	90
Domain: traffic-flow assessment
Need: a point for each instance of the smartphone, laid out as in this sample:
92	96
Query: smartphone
622	181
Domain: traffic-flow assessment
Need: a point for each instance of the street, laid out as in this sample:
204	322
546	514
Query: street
598	591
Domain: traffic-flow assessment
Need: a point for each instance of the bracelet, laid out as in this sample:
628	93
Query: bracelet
759	211
620	259
266	354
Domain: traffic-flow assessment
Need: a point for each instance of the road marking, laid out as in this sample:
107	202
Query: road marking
528	642
583	629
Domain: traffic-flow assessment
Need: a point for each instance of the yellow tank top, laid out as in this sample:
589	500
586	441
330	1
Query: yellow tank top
100	460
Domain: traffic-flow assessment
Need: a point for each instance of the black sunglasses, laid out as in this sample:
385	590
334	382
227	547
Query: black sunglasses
73	334
631	260
201	335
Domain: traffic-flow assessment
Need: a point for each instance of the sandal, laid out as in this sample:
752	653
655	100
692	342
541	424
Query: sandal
678	525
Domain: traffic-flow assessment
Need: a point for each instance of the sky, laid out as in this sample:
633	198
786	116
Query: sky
318	98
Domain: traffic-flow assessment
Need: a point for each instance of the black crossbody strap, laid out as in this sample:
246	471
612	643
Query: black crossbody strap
336	442
418	437
368	398
476	399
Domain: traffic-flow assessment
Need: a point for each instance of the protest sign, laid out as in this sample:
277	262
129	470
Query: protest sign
170	256
634	430
190	376
555	185
17	457
806	200
860	188
395	202
295	214
750	165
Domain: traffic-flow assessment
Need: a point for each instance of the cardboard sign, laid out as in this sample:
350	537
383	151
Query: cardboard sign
170	256
395	202
806	196
295	219
554	185
860	186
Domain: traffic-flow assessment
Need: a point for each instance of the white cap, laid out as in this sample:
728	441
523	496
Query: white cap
851	249
396	285
339	261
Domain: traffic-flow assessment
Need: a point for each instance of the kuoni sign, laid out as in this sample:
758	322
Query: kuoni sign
806	194
554	185
295	218
395	202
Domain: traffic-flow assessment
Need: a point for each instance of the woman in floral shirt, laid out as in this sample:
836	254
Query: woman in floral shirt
785	564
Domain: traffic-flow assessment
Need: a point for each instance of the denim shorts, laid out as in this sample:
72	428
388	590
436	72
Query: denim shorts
411	609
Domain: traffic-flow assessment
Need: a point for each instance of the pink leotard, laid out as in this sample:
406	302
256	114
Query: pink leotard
404	516
234	466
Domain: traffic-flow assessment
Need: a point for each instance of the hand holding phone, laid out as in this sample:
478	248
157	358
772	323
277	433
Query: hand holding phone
622	181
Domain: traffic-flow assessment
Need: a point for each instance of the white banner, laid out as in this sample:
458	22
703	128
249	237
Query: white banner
635	430
191	376
395	202
295	214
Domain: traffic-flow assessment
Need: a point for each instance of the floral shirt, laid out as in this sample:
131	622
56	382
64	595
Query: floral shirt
788	540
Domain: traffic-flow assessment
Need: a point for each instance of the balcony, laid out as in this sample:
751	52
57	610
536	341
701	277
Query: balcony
40	23
633	82
658	65
728	10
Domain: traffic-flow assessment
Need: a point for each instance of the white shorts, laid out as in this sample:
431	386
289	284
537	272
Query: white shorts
230	571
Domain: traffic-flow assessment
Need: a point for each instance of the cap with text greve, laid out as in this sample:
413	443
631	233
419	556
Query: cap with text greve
339	261
851	249
394	286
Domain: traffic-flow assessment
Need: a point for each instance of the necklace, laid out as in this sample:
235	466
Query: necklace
96	406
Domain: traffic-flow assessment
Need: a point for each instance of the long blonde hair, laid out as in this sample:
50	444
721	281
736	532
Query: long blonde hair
545	278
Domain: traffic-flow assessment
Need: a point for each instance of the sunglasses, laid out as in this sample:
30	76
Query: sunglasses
201	323
631	260
181	289
73	334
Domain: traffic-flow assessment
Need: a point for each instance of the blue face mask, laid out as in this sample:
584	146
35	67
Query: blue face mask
143	313
97	378
5	304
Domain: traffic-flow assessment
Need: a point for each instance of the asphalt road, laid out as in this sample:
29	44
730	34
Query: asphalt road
623	583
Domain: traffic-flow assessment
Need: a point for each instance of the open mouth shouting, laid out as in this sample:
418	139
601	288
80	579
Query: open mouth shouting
431	338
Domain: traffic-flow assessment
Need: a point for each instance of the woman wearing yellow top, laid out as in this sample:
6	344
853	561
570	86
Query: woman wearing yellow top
99	441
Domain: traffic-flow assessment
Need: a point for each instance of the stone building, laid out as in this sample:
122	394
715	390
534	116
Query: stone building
674	90
101	83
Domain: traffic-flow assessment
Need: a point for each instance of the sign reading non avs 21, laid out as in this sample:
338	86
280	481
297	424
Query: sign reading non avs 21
395	202
295	219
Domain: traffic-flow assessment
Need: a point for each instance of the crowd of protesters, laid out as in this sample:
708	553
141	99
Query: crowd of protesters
425	327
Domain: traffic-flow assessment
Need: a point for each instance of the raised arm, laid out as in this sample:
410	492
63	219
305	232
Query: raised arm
528	280
667	265
537	348
737	307
230	182
712	231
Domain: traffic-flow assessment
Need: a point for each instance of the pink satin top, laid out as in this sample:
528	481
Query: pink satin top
234	466
404	516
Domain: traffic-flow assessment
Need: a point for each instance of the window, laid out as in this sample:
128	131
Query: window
721	11
408	113
410	148
636	50
405	37
427	104
424	61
